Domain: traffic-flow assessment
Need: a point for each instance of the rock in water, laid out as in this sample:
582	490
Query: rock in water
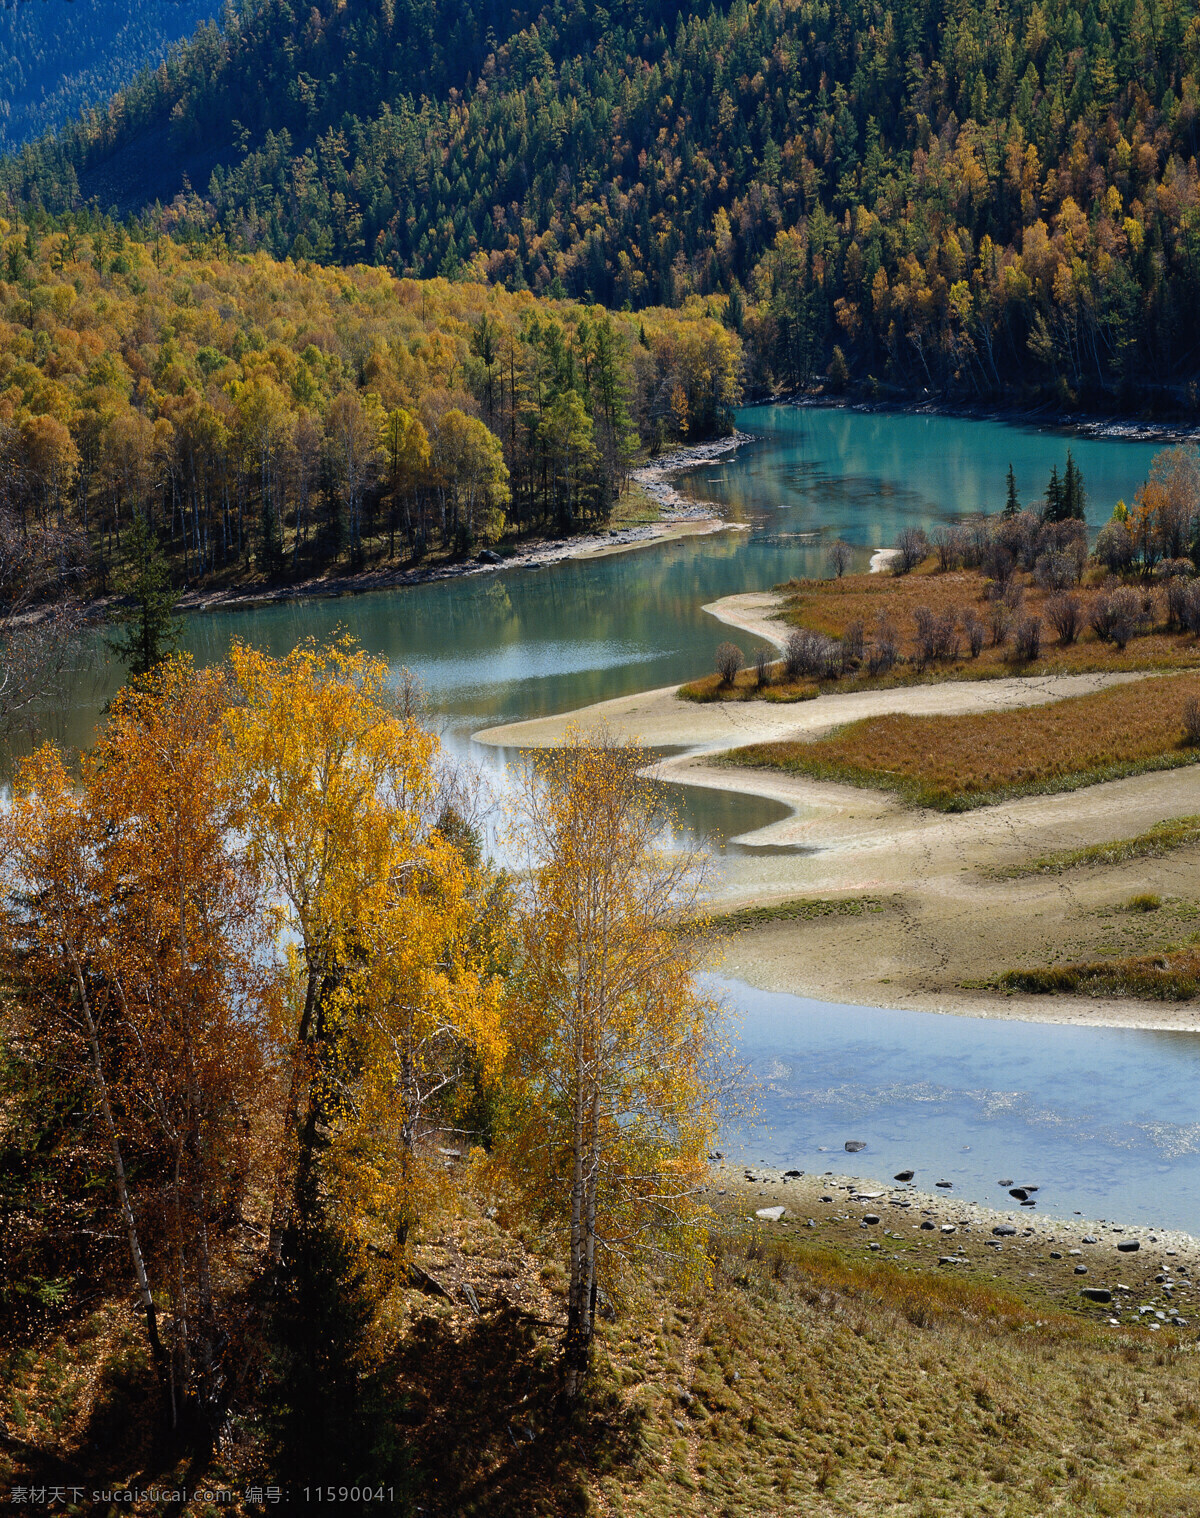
854	1146
904	1175
1020	1193
945	1185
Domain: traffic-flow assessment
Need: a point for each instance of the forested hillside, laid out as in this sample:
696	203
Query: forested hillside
977	197
56	58
260	416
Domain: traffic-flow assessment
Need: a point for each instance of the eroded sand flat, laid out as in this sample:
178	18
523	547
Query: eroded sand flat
938	918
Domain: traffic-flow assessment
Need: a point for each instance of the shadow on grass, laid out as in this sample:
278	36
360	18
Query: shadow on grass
490	1432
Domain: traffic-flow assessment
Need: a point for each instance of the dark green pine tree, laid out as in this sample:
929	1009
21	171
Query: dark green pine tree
1053	509
151	632
1074	498
1012	504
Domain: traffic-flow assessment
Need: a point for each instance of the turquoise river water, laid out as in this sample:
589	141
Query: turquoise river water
1104	1120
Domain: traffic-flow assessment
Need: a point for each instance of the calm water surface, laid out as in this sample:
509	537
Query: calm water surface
1102	1119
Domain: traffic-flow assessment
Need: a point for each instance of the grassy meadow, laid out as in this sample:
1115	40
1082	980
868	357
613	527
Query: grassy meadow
805	1376
953	763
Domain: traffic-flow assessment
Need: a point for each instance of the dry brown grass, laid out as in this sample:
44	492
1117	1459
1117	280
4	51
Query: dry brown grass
745	687
953	763
1170	976
830	606
805	1377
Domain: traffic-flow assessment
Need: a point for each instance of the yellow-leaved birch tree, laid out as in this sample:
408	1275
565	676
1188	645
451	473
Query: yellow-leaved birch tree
615	1049
341	804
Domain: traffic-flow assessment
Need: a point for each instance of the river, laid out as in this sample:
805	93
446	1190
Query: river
1102	1119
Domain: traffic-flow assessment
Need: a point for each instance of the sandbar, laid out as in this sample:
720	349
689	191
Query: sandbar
940	924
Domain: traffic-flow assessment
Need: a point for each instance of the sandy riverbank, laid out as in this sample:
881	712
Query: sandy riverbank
940	922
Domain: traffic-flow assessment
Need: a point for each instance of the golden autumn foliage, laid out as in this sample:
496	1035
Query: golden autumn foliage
345	813
261	932
275	419
612	1041
136	940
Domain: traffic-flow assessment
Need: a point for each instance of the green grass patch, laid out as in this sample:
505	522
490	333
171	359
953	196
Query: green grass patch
801	909
1170	976
1174	833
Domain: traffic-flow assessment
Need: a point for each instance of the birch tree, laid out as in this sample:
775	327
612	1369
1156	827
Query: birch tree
615	1047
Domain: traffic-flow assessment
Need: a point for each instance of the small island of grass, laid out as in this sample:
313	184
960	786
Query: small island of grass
953	763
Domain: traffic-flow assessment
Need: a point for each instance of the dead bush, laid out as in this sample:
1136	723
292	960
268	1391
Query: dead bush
911	548
1065	616
1027	640
1191	723
813	655
852	645
972	625
885	648
838	556
1116	615
728	660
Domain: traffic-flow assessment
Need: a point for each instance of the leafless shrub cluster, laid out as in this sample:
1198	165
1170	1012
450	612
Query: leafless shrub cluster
973	627
1183	605
911	547
936	637
1191	723
950	544
1118	615
838	556
1027	639
812	655
1065	615
884	652
728	661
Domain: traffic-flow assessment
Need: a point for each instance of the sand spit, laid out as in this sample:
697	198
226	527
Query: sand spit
941	925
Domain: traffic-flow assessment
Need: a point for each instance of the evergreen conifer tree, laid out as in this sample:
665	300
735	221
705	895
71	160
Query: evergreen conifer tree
1012	504
152	629
1074	498
1053	509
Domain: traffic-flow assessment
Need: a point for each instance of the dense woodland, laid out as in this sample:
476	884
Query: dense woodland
972	198
56	59
264	417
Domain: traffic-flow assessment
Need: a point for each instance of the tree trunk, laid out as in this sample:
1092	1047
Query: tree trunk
110	1127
